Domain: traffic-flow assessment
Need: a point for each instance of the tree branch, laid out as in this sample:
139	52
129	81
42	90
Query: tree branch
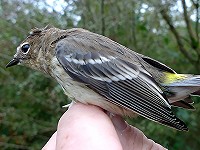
189	27
134	29
102	18
177	36
196	5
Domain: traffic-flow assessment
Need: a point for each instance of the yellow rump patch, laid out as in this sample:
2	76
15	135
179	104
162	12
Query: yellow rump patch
172	77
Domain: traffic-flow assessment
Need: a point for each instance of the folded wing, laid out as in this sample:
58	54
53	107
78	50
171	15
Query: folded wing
122	83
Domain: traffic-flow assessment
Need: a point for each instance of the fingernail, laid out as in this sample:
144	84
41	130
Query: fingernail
118	122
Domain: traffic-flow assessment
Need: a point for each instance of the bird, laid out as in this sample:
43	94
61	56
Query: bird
93	69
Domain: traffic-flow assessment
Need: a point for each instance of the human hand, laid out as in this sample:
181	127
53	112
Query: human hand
88	127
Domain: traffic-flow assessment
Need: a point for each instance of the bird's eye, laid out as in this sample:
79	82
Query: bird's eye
25	48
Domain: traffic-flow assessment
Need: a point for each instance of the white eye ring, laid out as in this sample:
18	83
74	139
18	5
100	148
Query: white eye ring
25	48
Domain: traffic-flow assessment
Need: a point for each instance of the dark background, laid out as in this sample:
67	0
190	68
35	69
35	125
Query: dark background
31	104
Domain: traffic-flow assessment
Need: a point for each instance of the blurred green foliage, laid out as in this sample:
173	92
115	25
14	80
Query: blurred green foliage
31	104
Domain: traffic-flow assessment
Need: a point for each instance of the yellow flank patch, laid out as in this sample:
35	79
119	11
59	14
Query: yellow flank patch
172	77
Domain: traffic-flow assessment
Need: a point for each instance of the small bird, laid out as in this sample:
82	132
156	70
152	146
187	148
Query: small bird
93	69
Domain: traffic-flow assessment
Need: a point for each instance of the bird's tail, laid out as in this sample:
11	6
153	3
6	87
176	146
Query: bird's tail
179	88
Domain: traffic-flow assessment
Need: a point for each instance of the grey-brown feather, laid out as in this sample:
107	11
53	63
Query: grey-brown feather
93	69
125	83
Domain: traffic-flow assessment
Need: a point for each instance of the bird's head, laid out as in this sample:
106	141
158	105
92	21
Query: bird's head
34	50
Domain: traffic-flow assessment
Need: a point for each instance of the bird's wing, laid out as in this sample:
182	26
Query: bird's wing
121	82
157	64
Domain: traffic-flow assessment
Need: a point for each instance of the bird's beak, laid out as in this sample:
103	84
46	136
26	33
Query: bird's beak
13	62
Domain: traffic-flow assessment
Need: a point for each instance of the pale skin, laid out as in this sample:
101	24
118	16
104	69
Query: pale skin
88	127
